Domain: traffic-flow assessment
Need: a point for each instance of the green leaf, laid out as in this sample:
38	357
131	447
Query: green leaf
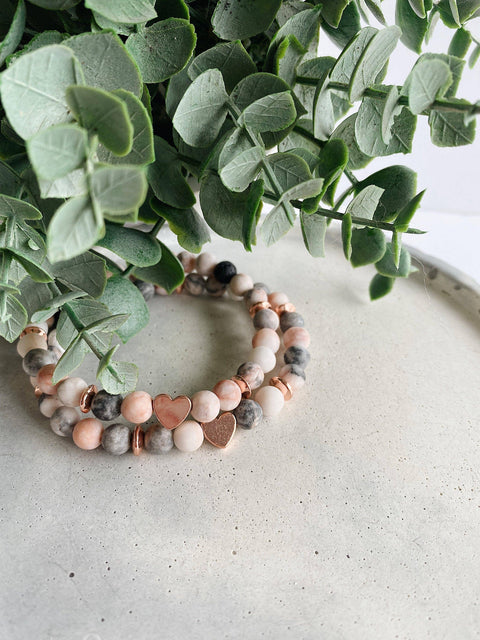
242	170
405	215
386	266
345	131
368	129
74	229
288	56
419	7
31	260
303	26
347	235
332	11
55	5
42	39
105	360
413	26
177	85
306	189
323	111
399	184
289	169
54	304
85	272
128	11
391	109
14	34
429	80
104	114
118	189
163	49
240	20
132	245
70	360
235	144
166	178
372	61
33	89
171	9
33	295
168	273
15	318
17	209
102	56
460	43
380	286
277	223
365	203
251	214
348	27
73	184
123	380
368	246
332	161
314	228
449	129
230	58
472	61
142	151
191	231
202	110
456	67
122	296
58	150
374	6
397	248
270	113
350	56
87	312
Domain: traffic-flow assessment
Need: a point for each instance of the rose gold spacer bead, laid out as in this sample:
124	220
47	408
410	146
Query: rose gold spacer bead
258	307
283	386
37	391
137	440
87	397
244	386
180	288
287	307
36	330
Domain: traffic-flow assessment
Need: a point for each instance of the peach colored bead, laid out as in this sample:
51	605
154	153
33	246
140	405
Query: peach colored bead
205	264
31	341
50	321
188	436
240	284
267	338
228	393
253	296
87	433
188	261
205	406
277	298
137	407
264	357
48	405
271	400
160	291
44	380
288	375
296	336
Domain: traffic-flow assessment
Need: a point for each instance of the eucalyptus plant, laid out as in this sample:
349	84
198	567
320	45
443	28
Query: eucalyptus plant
112	109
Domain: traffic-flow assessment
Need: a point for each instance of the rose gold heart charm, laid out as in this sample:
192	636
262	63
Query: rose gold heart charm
219	432
171	413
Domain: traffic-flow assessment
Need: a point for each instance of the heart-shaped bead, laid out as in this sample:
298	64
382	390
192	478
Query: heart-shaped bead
219	432
171	412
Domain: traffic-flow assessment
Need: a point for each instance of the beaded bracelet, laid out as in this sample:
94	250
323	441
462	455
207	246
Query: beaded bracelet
214	414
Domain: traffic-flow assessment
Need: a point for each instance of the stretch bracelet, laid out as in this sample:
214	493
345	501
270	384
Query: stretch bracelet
183	422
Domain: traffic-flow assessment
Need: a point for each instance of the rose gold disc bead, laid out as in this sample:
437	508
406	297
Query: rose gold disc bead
87	397
287	307
34	329
258	307
282	386
138	439
244	386
37	391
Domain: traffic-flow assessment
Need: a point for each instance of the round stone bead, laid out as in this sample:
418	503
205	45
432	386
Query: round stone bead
240	284
51	321
70	391
271	400
293	375
252	373
53	342
194	284
266	319
63	420
215	288
48	405
228	393
87	433
188	261
267	338
147	289
224	271
296	336
31	341
106	406
35	359
248	414
137	407
160	291
290	319
206	264
116	439
205	406
44	380
297	355
277	298
33	381
188	436
264	357
158	439
261	285
57	353
253	296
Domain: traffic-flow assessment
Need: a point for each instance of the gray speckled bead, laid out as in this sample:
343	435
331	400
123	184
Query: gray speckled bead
265	319
63	420
291	319
194	284
158	439
215	288
248	414
106	406
297	355
147	289
35	359
261	285
116	439
251	372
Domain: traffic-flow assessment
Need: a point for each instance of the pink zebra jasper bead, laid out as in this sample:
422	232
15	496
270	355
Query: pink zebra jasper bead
276	298
293	375
240	284
70	391
228	393
205	264
296	336
264	357
44	380
188	261
266	338
188	436
87	433
205	406
137	407
271	400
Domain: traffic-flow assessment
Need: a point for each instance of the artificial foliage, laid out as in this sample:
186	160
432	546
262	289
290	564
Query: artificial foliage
111	110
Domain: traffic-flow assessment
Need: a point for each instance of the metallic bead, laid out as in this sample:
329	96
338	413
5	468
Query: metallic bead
37	391
283	386
87	397
137	440
258	307
244	386
33	329
286	307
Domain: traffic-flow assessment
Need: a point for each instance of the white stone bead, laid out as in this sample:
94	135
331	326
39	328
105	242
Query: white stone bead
70	390
206	263
264	357
33	381
271	400
53	342
205	406
188	436
48	405
266	338
240	284
276	298
31	341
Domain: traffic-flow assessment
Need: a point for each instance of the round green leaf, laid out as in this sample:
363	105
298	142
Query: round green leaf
368	246
58	150
386	266
230	58
399	184
240	20
74	229
118	189
168	273
122	296
132	245
128	11
380	286
14	34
